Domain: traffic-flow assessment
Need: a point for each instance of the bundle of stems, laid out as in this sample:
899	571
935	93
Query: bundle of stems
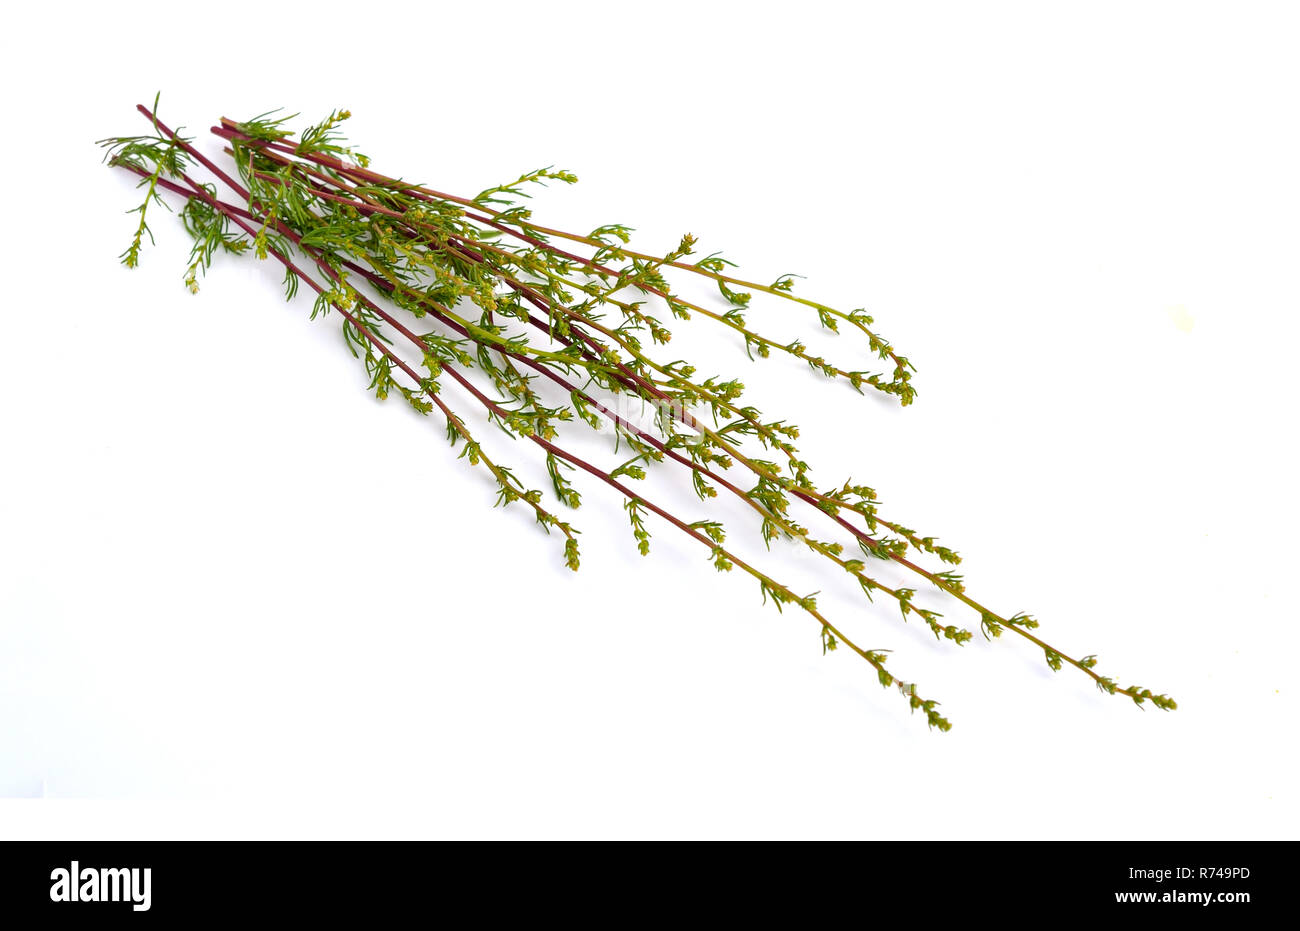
510	304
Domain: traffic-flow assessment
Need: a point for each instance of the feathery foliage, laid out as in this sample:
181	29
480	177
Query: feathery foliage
496	294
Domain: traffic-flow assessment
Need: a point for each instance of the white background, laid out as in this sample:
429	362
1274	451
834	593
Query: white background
240	598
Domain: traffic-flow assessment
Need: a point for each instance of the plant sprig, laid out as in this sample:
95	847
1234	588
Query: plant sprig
510	306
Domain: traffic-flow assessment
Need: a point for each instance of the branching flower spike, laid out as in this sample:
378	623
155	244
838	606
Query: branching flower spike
447	299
